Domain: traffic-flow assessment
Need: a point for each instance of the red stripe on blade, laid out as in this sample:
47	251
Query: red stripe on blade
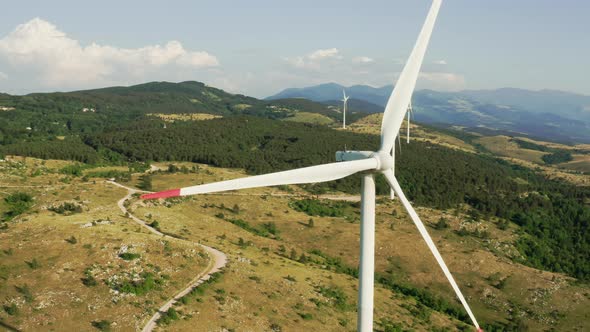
162	194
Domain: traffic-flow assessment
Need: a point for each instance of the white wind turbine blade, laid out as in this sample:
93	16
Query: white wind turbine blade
320	173
397	105
422	229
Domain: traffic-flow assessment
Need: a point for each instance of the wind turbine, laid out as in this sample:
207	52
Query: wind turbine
345	101
349	163
410	112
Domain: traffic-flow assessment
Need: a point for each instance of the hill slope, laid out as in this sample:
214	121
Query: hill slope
47	116
293	251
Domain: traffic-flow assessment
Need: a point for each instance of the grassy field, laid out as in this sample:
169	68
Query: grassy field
308	117
581	163
63	272
495	285
285	272
502	146
185	116
372	125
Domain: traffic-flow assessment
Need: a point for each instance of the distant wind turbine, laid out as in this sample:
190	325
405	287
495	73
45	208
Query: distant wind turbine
399	141
345	101
410	112
349	163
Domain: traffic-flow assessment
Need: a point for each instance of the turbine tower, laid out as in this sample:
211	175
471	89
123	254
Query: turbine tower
345	101
410	112
349	163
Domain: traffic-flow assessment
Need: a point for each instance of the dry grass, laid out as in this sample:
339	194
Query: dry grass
307	117
60	301
582	147
475	263
262	288
259	287
372	125
185	116
581	163
502	146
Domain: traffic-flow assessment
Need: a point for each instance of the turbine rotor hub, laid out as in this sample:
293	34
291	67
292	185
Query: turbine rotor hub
384	159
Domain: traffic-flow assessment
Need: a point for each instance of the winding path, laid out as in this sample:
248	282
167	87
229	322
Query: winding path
217	262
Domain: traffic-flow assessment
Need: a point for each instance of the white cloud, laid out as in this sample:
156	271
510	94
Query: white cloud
440	62
3	76
322	54
313	59
60	60
362	59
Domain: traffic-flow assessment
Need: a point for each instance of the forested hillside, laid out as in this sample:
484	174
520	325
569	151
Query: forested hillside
553	215
45	116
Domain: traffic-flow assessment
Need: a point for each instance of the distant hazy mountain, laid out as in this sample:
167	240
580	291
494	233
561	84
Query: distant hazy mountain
357	105
333	91
548	114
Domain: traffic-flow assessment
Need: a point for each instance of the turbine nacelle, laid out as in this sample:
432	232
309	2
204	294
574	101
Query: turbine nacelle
384	160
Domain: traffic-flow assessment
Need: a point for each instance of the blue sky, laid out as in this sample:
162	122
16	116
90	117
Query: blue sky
260	47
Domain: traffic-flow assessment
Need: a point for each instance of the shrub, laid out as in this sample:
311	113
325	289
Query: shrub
560	156
314	207
441	224
389	326
89	280
145	182
18	203
274	327
139	287
25	292
34	264
12	309
117	175
337	295
462	231
167	317
255	278
66	208
75	170
305	315
102	325
128	256
155	225
264	231
502	224
271	227
172	168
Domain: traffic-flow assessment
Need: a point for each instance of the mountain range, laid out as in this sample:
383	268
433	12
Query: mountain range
548	114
